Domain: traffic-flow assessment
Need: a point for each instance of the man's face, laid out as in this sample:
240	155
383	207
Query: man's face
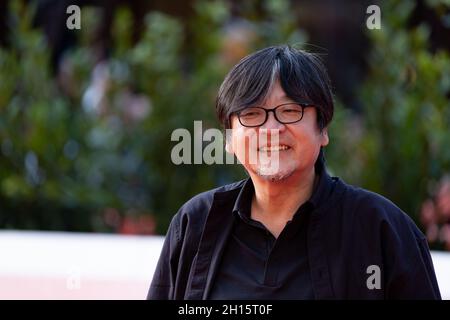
297	147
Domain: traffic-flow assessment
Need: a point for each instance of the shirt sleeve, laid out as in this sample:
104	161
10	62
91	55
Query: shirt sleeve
409	268
163	282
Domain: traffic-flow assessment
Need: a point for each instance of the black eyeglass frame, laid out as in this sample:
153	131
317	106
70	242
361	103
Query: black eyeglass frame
301	104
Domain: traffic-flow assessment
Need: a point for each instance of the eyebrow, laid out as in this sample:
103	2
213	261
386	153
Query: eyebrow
282	97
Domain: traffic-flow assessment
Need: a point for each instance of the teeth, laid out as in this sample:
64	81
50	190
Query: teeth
274	148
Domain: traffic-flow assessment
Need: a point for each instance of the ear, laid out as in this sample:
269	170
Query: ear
324	139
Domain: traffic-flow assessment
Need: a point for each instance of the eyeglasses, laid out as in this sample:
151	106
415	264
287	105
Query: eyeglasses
285	113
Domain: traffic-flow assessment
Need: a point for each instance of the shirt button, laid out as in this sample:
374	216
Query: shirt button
320	273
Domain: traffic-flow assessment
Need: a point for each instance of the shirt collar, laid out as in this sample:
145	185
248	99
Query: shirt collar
323	186
321	191
243	203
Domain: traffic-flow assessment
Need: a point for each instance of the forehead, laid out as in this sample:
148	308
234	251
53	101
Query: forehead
276	95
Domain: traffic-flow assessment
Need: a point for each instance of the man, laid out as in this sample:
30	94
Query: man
289	231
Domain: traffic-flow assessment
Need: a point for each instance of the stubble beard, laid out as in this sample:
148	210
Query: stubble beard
274	177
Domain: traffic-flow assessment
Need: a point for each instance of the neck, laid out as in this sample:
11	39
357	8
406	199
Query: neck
280	200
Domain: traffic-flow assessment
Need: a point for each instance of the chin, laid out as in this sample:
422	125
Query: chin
274	175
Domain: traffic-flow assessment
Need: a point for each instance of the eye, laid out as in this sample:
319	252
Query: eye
291	109
251	113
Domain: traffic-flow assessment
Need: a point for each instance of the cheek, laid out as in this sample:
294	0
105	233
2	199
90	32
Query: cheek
308	142
243	143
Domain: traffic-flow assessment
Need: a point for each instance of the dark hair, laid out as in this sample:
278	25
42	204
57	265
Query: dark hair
301	74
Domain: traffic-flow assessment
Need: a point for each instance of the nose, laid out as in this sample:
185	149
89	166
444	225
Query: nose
273	123
271	130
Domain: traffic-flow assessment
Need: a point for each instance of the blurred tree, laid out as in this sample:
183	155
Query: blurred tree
401	145
90	149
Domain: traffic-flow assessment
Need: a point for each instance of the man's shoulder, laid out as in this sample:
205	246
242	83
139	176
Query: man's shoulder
370	206
364	198
203	201
192	215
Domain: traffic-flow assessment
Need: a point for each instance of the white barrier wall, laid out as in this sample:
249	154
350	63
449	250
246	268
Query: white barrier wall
54	265
57	265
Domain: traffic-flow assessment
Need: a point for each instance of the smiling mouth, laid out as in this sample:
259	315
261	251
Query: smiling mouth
274	148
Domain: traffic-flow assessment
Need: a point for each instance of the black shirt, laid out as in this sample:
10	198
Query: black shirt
349	230
256	265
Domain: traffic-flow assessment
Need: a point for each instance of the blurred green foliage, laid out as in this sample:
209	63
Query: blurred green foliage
400	148
98	135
